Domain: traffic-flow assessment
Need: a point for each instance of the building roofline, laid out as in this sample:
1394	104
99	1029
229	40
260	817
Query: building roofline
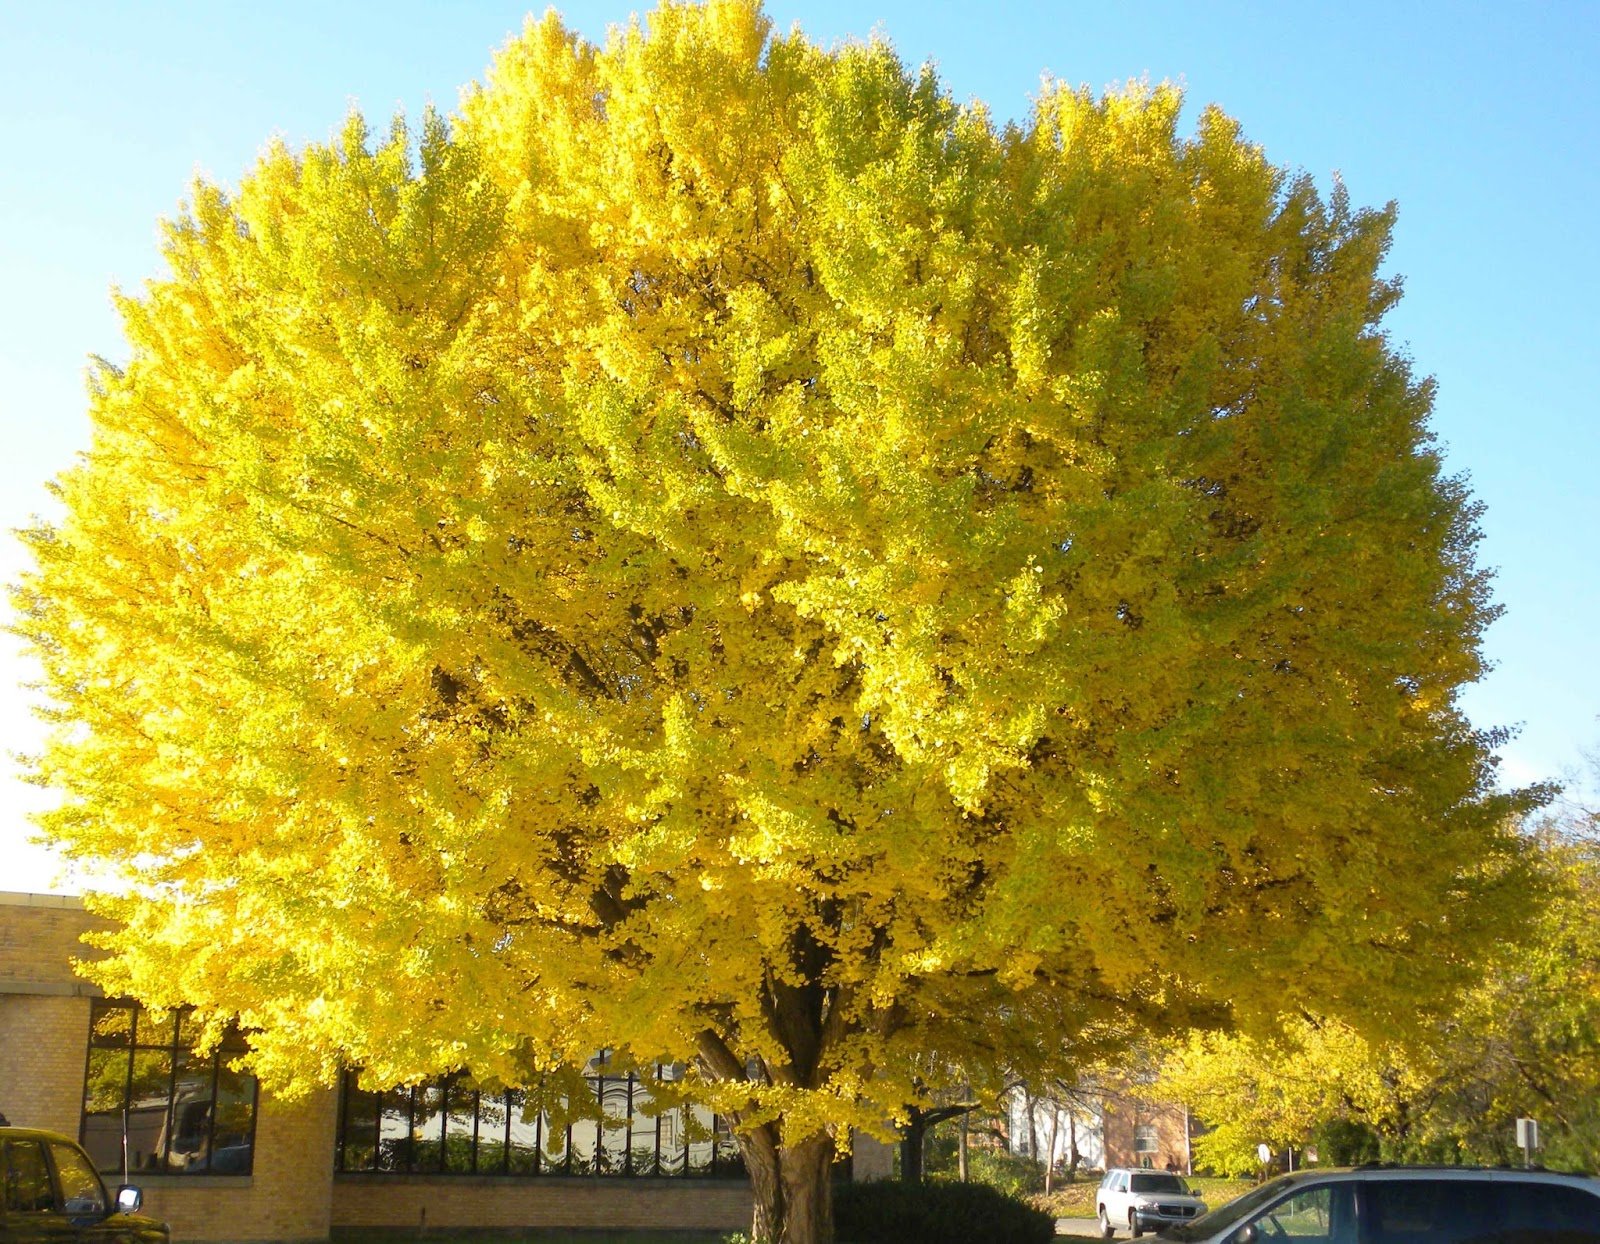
19	898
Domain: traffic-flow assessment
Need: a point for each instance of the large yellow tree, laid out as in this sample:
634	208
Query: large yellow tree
722	553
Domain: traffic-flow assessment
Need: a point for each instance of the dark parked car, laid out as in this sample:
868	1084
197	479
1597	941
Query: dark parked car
50	1193
1383	1204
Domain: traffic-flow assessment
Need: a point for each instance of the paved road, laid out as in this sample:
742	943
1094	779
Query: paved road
1087	1229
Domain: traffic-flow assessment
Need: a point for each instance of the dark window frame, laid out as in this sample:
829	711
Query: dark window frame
363	1109
177	1054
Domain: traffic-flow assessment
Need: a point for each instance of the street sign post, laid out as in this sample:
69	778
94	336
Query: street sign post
1527	1139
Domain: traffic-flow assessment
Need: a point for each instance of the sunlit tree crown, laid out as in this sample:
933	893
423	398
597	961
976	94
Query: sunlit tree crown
721	552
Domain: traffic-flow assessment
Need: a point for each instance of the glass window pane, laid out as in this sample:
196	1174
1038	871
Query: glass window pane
553	1153
453	1127
614	1129
185	1114
491	1133
642	1133
394	1132
233	1123
188	1139
151	1093
358	1142
1543	1207
1312	1214
110	1023
727	1162
102	1137
673	1154
190	1030
1441	1210
427	1132
526	1135
460	1100
82	1193
699	1127
583	1145
148	1030
26	1180
105	1085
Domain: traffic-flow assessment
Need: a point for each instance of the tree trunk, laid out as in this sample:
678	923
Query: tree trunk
911	1143
1050	1155
961	1143
793	1196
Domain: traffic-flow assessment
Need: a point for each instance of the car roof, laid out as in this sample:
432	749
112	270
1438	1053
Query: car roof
31	1133
1390	1171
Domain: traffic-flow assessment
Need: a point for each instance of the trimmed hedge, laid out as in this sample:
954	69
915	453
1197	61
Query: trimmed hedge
935	1213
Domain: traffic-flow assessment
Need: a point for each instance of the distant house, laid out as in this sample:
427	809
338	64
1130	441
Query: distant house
1154	1137
1109	1128
1050	1130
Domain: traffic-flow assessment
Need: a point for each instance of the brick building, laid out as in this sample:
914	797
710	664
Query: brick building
1138	1134
222	1159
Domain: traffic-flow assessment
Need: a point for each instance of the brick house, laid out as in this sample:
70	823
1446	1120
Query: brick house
1152	1136
222	1159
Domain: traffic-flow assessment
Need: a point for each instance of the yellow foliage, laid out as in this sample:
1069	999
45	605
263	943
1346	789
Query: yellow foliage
722	553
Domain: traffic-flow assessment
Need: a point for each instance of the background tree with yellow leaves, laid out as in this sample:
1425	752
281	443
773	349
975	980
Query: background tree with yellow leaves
722	553
1523	1041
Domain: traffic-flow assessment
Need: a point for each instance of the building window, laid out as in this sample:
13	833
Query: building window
1146	1144
455	1127
178	1112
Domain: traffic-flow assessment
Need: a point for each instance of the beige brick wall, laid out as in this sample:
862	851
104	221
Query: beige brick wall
43	1041
44	1009
421	1201
39	936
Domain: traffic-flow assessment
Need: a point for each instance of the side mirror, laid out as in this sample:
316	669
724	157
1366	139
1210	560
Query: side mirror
129	1199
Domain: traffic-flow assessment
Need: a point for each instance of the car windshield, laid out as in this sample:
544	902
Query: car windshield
1156	1183
1224	1216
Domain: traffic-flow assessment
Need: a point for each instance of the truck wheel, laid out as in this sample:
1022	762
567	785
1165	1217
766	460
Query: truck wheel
1106	1229
1134	1229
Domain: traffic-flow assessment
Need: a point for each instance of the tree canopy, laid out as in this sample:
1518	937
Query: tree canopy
720	552
1522	1041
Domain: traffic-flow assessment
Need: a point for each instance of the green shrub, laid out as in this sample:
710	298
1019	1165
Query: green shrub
1010	1173
935	1213
1345	1142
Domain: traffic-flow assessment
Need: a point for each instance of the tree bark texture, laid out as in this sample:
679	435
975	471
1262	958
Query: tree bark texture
911	1145
793	1196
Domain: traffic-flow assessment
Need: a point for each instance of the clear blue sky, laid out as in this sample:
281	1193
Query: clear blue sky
1480	119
